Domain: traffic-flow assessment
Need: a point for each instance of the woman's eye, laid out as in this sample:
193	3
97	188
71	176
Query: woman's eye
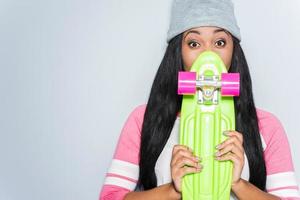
220	43
193	44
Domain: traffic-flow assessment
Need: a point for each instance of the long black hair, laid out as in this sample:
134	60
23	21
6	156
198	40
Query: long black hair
164	103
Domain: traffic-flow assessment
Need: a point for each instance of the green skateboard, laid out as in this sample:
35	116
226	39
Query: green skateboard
207	111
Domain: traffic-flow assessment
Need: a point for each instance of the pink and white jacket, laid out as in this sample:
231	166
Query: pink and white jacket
123	173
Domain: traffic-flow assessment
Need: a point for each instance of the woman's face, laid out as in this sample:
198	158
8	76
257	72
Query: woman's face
197	40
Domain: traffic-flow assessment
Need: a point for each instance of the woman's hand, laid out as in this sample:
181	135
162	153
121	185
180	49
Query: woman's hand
183	162
232	149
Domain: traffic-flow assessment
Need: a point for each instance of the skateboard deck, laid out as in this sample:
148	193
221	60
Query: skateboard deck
207	111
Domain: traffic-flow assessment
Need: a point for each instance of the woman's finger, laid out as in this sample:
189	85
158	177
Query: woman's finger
183	153
235	133
185	161
232	157
181	147
231	147
231	139
189	170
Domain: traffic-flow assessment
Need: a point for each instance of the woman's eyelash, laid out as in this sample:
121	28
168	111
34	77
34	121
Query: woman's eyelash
221	40
193	42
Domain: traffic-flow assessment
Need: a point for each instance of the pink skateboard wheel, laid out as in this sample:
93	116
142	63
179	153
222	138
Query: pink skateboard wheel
230	84
186	83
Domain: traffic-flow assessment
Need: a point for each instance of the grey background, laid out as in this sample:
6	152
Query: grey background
73	70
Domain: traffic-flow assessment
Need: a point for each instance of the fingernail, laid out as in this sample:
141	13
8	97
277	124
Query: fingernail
198	158
217	153
218	146
225	133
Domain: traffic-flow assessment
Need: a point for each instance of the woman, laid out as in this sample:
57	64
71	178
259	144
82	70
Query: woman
149	163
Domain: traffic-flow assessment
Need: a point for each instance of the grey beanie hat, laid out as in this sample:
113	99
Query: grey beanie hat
187	14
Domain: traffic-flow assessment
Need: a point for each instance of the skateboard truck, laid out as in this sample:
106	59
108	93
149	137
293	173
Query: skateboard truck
206	86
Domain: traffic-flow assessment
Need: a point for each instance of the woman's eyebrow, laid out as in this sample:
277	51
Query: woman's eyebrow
199	33
221	30
192	31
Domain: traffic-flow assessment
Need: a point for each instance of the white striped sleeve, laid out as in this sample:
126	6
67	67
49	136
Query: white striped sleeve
123	174
283	185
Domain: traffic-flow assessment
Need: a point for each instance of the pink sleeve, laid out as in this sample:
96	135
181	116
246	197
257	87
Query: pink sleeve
281	178
123	173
